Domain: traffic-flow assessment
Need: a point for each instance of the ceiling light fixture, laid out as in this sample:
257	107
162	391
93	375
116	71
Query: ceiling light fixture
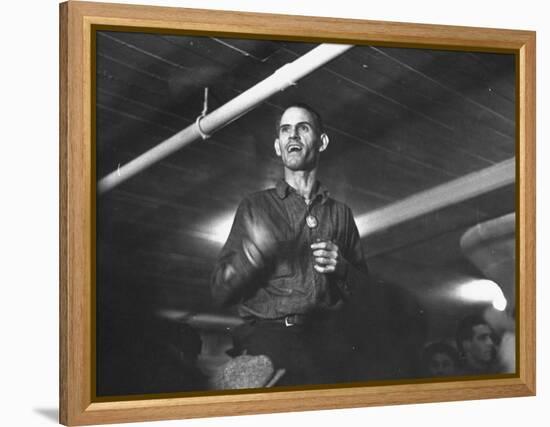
482	290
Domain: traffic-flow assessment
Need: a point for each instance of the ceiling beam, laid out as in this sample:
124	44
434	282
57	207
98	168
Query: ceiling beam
207	124
441	196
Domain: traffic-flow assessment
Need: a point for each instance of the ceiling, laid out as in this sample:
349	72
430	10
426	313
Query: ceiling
401	121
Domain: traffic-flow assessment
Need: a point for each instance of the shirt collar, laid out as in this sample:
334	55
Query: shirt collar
283	189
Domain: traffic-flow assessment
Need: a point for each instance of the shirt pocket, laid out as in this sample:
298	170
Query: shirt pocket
279	288
283	263
282	269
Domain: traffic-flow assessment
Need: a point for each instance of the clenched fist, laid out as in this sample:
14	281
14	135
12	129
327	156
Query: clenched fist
327	257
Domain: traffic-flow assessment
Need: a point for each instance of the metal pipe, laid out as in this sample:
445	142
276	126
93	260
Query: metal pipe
458	190
205	126
201	320
491	247
487	231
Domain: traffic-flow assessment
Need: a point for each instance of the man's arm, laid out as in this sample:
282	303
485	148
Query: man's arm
243	256
356	272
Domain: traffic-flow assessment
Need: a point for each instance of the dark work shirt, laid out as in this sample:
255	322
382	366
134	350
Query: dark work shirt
285	282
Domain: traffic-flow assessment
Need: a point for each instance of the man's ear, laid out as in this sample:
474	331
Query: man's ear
277	147
324	142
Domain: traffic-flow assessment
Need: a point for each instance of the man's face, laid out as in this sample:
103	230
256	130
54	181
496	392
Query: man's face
299	141
482	346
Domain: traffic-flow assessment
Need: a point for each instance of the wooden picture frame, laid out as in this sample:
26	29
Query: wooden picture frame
78	405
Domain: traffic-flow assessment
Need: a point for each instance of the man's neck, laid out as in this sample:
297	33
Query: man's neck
477	365
302	181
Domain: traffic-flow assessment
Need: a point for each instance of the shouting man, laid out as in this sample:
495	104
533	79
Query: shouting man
291	260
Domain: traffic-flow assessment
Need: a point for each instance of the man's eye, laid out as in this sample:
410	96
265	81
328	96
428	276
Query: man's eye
303	128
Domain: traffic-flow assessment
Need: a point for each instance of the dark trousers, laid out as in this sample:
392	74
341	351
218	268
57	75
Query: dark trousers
311	354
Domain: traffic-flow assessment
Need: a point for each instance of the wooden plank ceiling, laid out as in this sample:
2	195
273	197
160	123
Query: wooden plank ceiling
400	121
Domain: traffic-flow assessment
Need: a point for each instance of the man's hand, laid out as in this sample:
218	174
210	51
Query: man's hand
328	258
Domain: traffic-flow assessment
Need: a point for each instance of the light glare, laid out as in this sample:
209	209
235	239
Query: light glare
482	290
220	228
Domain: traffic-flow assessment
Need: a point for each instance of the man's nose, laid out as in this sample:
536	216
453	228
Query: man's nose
293	132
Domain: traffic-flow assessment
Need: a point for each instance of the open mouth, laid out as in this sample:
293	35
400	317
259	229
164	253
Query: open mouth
294	148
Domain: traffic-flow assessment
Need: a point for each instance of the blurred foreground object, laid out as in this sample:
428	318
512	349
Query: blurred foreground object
246	372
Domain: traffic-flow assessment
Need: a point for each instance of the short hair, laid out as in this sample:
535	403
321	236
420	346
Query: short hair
465	329
437	348
318	121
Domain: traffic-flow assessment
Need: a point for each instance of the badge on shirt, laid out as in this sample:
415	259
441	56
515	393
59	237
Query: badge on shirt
311	221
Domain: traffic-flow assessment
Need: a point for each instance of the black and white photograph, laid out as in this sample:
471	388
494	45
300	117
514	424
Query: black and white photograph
285	214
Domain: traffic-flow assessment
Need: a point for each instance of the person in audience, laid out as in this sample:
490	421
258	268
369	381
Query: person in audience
439	359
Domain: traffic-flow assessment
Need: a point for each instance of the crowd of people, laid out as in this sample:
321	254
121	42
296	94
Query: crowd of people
476	350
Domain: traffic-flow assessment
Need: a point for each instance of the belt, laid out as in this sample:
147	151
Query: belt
287	321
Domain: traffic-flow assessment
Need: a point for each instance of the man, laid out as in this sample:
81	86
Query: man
477	346
292	257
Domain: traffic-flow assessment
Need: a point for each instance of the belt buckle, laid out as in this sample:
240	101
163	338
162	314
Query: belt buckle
288	323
